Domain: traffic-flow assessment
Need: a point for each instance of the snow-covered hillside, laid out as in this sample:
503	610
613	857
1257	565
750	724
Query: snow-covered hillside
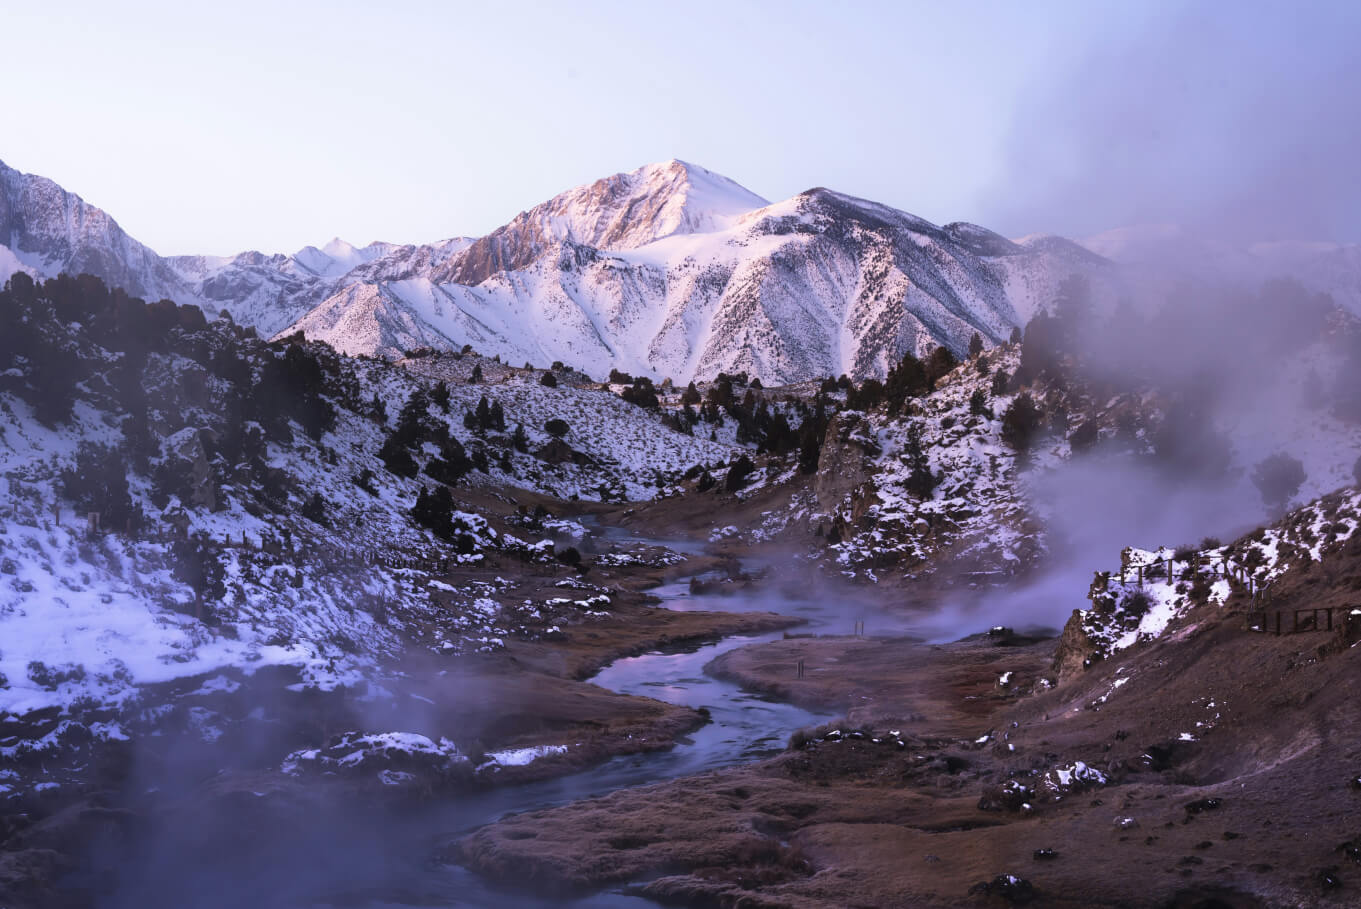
262	522
1153	591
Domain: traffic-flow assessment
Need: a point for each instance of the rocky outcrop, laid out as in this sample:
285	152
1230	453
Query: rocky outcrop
1075	647
185	462
846	466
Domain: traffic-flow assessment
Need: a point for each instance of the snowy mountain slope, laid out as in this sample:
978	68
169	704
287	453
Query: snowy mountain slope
45	230
290	527
624	211
819	284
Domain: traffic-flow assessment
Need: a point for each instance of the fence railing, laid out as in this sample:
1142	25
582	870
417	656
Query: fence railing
1297	621
1165	571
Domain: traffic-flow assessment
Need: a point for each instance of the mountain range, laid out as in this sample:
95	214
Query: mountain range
669	270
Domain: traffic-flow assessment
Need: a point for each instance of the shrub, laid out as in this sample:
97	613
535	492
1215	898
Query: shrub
1136	603
397	459
548	380
978	403
314	510
99	482
738	473
50	677
641	393
556	427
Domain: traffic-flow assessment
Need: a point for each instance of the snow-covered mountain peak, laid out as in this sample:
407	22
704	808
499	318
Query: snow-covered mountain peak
338	257
619	212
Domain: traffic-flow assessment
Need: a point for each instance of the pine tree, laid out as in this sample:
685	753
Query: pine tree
975	345
1020	422
314	510
441	396
921	482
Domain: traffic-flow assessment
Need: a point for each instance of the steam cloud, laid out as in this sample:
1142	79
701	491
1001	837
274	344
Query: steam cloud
1242	123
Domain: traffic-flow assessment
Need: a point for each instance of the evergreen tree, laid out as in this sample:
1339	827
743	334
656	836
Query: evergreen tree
975	345
738	473
812	432
396	458
548	380
99	482
314	509
1020	422
907	379
921	482
440	395
938	365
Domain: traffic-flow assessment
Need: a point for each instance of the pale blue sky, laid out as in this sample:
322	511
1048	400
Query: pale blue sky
272	125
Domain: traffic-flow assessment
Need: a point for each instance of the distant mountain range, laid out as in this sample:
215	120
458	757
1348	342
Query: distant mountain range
668	270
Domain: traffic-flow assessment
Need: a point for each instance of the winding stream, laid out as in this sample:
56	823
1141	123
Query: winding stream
742	727
354	859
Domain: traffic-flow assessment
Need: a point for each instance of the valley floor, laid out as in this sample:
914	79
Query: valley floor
1214	767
